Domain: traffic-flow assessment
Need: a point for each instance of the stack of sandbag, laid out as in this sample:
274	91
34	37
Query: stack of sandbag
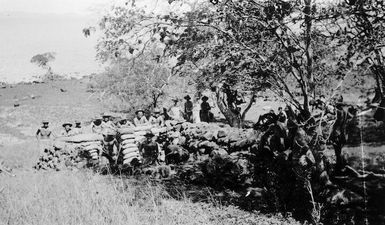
58	157
128	145
140	131
91	143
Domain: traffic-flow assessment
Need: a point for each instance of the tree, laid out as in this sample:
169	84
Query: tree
43	61
359	25
139	83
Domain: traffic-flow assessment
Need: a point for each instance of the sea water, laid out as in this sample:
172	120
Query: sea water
23	35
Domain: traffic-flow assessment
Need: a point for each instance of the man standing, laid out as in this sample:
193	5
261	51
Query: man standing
67	131
188	109
43	136
175	111
140	119
205	110
149	150
44	132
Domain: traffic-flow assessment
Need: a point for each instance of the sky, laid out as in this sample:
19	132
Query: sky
53	6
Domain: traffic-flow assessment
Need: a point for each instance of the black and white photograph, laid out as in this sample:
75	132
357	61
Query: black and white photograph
192	112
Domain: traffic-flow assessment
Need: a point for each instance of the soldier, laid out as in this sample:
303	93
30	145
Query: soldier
107	123
205	110
157	119
175	111
44	132
149	150
67	131
140	119
43	135
188	109
124	123
78	128
96	126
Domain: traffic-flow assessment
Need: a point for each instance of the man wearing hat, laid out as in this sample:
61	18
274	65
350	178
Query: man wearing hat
124	123
140	119
205	110
44	132
96	126
67	130
149	149
107	123
43	135
78	128
188	109
157	119
175	111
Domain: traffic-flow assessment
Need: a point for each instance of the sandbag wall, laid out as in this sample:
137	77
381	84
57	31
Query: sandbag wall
69	152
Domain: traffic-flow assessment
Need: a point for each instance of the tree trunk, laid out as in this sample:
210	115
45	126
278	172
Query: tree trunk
233	118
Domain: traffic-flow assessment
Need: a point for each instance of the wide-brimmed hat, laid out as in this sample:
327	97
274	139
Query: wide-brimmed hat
187	97
175	99
45	122
139	110
77	122
66	123
205	98
149	134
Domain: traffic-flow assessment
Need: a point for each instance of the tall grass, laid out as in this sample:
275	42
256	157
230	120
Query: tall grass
83	197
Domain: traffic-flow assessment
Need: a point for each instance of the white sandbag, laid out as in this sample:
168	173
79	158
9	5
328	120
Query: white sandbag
94	151
140	139
130	146
140	133
130	150
85	144
59	144
91	147
128	141
126	130
131	155
159	130
82	138
128	136
142	128
128	161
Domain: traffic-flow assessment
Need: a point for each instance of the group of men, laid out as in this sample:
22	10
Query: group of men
44	132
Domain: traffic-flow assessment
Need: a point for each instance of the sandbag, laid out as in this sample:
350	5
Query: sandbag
129	146
59	144
140	133
126	130
142	128
128	136
131	155
91	147
128	141
82	138
93	151
159	130
128	161
130	150
85	144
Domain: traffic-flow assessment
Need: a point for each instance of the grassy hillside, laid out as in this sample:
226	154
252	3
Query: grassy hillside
82	197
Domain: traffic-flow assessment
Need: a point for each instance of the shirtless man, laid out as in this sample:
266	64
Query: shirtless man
44	132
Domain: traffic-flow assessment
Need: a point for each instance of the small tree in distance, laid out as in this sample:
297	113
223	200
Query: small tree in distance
43	60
